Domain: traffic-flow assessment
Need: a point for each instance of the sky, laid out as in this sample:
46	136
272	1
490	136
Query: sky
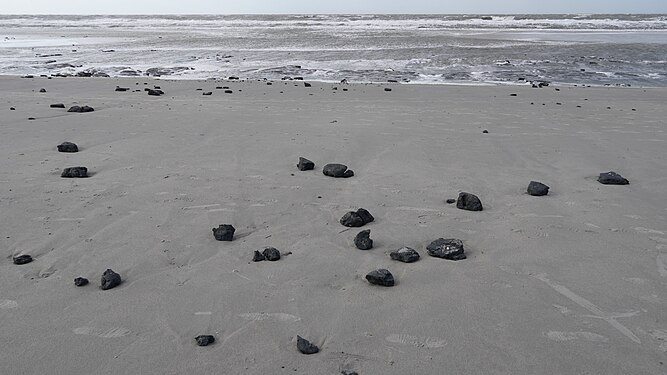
328	6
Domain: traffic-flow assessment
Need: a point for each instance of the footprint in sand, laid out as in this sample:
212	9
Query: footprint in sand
419	342
569	336
280	317
6	304
110	333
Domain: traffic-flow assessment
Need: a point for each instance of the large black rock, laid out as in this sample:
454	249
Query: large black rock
79	109
337	170
380	277
22	259
224	232
271	254
357	219
612	178
305	346
449	248
204	340
75	172
405	255
80	281
110	280
305	164
363	241
537	189
468	202
68	147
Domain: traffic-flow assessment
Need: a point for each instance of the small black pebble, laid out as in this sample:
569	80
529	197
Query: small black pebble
205	340
58	105
12	109
387	89
22	259
451	201
485	131
80	281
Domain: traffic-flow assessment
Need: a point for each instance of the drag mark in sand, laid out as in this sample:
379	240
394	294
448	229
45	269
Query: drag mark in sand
569	336
586	304
201	206
6	304
419	342
260	316
110	333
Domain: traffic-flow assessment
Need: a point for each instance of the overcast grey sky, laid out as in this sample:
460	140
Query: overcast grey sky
327	6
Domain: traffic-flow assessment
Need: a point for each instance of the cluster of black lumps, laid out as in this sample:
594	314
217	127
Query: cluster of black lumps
269	253
80	109
337	170
357	218
224	232
446	248
75	172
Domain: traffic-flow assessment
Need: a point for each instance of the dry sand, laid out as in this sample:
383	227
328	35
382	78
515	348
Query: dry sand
570	283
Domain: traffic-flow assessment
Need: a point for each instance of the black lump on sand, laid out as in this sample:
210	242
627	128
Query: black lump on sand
446	248
381	277
405	255
305	164
75	172
57	105
357	218
80	109
80	281
337	170
68	147
612	178
269	253
22	259
204	340
154	92
110	280
363	241
224	232
468	202
305	346
537	189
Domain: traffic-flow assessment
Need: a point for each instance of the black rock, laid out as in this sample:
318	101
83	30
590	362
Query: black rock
224	232
68	147
305	346
78	109
305	164
387	89
118	88
469	202
450	248
110	280
337	170
306	84
450	201
405	255
207	93
153	92
75	172
357	219
380	277
42	90
612	178
57	105
363	241
349	372
12	109
271	254
512	94
204	340
258	257
485	131
537	189
22	259
80	281
229	92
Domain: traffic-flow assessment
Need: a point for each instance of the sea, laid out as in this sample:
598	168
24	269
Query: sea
568	49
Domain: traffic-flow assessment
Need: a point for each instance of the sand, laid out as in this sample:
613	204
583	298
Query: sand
569	283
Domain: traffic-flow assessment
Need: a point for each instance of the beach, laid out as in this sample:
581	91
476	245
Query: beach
568	283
